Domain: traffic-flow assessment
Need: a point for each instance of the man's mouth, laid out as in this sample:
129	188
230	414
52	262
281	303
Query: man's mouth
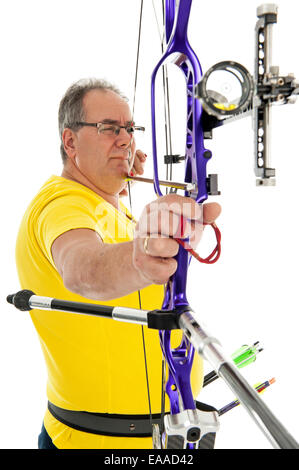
125	158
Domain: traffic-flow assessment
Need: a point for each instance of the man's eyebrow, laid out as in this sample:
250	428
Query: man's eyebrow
113	121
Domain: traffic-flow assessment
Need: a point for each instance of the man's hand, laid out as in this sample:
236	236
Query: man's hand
137	169
168	217
102	271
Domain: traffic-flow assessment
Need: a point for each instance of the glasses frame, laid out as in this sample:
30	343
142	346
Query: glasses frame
117	130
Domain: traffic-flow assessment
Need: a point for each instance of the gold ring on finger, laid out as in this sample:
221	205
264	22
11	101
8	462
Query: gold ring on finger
145	245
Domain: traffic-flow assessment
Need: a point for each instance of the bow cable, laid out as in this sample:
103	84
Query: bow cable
165	81
168	145
168	150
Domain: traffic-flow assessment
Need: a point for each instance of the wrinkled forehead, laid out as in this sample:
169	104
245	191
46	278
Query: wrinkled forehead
105	104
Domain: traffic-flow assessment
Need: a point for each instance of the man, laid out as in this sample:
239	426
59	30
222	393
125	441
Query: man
76	242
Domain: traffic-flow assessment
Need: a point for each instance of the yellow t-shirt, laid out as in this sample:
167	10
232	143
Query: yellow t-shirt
94	364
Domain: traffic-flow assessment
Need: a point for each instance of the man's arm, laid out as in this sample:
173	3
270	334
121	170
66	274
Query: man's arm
94	269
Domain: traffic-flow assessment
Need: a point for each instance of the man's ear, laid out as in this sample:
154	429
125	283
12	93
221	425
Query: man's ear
69	138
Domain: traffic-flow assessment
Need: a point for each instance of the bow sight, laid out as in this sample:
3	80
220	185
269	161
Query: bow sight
228	92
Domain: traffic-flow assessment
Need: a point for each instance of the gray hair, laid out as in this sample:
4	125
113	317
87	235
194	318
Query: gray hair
71	106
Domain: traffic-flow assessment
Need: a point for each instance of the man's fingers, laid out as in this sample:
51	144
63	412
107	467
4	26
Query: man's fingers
139	162
211	210
158	268
159	247
162	223
166	217
179	205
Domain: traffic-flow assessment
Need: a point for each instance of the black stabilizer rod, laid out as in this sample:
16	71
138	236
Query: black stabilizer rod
26	300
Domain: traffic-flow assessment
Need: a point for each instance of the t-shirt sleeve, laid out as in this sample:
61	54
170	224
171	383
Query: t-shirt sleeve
62	214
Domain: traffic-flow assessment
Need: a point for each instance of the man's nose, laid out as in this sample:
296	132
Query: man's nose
124	138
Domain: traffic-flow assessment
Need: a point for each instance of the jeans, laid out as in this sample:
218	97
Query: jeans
44	440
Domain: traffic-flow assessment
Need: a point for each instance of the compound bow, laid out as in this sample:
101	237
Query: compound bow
187	426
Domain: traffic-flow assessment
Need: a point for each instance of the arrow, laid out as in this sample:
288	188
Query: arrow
260	388
244	356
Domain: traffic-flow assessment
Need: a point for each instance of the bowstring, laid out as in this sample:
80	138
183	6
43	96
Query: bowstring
168	137
137	57
168	148
131	209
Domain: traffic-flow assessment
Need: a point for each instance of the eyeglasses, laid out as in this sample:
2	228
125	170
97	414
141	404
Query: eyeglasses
110	129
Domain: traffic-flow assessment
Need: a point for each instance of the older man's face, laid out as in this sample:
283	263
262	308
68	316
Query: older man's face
105	159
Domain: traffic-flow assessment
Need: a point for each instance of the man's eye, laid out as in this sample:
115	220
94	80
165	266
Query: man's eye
130	129
109	129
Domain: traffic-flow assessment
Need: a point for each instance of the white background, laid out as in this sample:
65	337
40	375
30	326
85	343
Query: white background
252	292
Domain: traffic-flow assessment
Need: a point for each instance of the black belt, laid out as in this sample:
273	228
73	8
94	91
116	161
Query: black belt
105	423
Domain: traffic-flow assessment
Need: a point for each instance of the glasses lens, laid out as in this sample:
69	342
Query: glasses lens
113	129
108	129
